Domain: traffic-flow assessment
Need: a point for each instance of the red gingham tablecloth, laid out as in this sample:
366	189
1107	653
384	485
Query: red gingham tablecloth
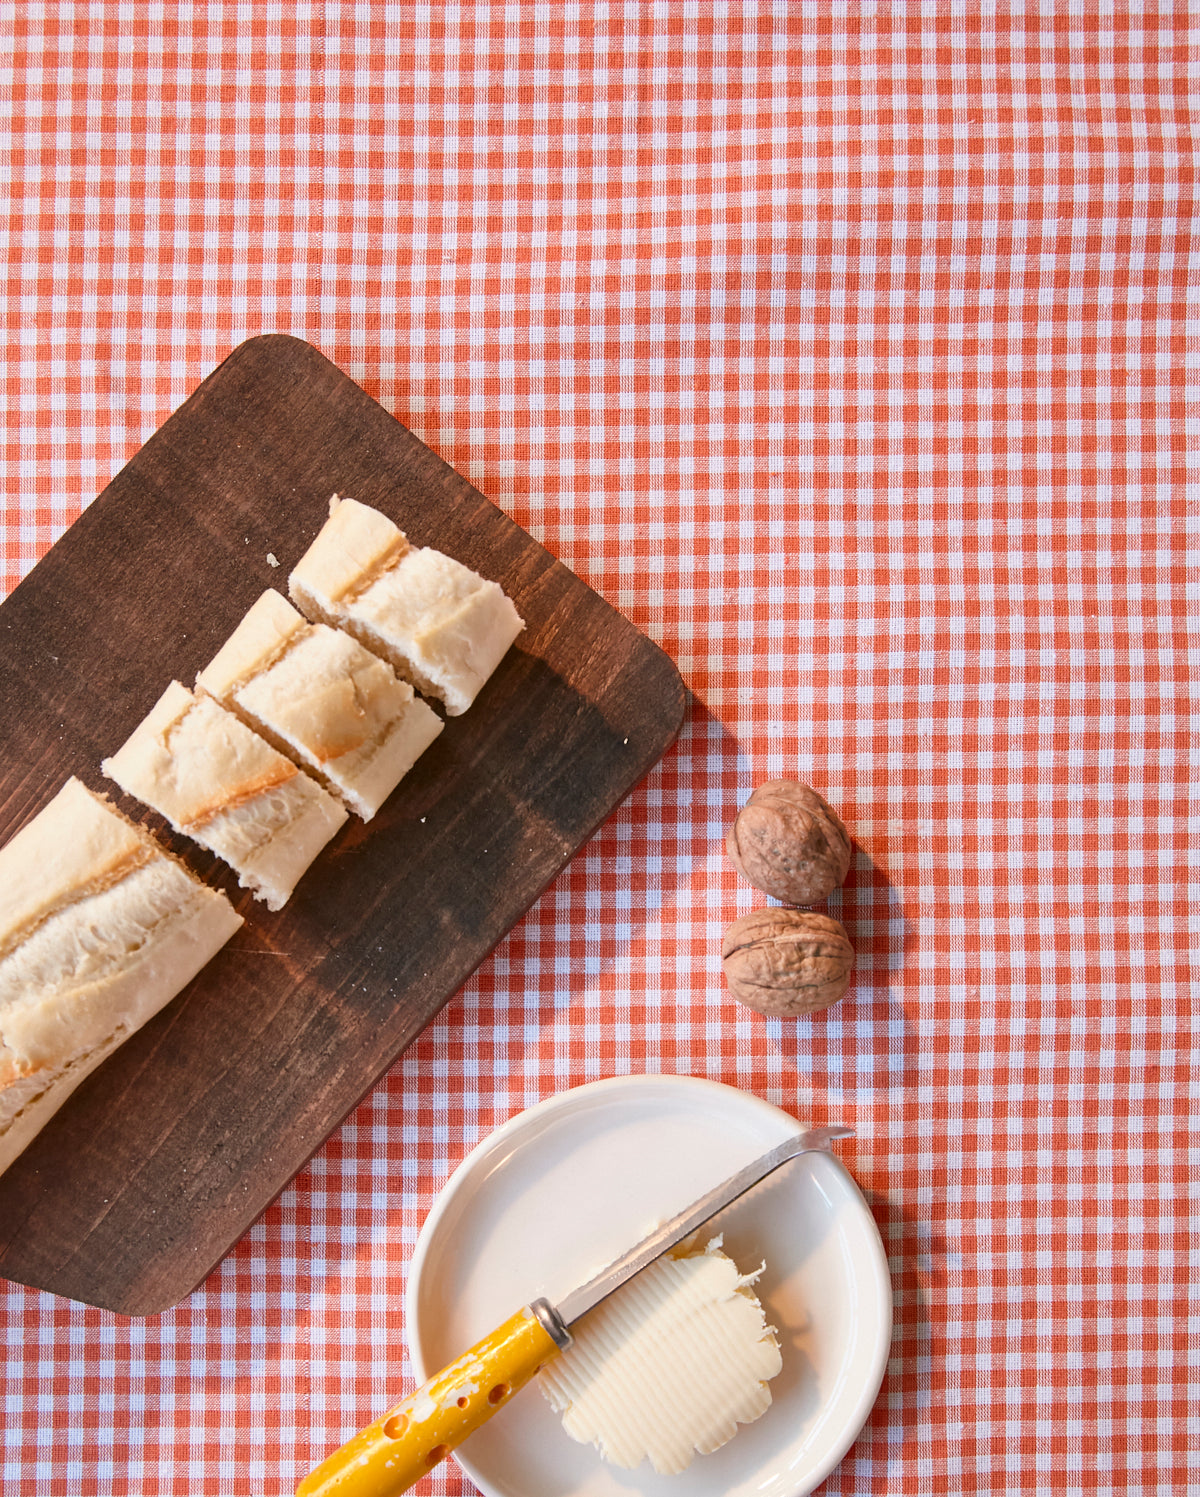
851	351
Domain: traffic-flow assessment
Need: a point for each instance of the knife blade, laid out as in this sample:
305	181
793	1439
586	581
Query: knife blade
412	1438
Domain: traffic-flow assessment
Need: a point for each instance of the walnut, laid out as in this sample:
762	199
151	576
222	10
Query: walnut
787	962
790	843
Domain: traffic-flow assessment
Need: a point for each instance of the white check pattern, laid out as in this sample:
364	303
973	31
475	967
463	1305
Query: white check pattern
851	351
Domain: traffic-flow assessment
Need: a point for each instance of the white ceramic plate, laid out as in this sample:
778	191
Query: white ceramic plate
562	1189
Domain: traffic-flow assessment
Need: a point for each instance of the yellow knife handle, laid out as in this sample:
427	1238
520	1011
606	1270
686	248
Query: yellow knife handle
400	1447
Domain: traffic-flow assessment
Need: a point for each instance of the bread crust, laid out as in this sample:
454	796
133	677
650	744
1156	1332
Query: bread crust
76	846
440	625
319	697
269	628
220	783
108	930
355	545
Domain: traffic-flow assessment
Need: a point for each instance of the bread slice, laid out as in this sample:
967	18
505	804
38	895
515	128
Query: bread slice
439	624
225	787
99	929
322	699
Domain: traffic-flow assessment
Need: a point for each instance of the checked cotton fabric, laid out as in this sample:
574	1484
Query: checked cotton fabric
850	350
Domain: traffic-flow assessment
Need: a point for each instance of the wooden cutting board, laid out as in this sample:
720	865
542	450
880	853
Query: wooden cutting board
171	1150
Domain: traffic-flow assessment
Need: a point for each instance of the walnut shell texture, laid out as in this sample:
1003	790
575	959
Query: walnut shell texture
790	843
787	962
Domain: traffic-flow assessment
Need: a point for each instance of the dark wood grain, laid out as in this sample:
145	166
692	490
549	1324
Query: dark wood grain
164	1157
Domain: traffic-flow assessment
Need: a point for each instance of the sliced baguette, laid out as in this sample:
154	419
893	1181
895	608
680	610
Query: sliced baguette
321	698
440	625
99	929
218	782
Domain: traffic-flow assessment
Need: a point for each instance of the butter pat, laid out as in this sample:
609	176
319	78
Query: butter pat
441	626
669	1365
